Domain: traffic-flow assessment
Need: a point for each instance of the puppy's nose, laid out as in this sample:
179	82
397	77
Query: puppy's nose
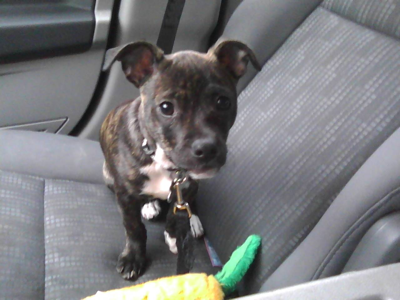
205	149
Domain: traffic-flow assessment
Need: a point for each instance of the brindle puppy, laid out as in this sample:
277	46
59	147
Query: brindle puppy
186	108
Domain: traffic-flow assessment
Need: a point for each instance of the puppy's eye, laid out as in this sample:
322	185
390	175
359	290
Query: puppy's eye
223	103
167	108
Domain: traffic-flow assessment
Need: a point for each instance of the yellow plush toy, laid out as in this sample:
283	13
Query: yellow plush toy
192	286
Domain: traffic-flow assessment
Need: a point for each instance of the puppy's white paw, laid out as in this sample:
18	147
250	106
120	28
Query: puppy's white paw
171	242
151	210
196	227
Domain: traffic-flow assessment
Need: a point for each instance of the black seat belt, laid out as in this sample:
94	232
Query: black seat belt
170	23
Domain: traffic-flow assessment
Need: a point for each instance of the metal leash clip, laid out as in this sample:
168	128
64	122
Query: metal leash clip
180	204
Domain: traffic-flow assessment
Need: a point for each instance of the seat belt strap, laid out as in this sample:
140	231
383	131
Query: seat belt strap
170	23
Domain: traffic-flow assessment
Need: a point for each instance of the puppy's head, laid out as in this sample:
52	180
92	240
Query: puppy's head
189	100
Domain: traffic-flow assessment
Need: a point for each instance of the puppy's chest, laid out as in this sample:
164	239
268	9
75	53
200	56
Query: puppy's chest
159	183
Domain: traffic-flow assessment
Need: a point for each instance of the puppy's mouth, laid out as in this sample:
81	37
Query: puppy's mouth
203	173
167	163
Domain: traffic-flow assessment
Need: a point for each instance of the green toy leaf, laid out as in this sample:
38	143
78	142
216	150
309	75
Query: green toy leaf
237	266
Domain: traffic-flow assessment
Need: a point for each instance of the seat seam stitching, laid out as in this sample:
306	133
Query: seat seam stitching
49	178
359	24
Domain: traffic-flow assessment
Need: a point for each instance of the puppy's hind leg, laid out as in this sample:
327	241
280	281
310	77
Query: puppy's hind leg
171	242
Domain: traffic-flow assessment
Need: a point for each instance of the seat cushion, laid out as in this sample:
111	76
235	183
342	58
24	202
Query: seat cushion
372	193
22	253
60	239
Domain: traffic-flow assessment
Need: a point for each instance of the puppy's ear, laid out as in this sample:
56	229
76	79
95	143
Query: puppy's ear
234	56
138	60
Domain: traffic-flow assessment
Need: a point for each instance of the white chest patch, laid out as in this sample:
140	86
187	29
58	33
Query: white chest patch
159	182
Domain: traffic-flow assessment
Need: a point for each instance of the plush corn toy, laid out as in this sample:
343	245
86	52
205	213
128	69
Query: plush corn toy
192	286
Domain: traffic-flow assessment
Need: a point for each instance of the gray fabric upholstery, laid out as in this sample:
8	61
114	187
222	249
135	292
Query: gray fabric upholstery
60	239
320	107
373	192
51	156
382	15
265	25
21	237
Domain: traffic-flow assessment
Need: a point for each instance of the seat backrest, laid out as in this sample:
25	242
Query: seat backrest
321	106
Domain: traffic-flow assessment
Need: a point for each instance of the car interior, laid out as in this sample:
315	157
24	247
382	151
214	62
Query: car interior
313	165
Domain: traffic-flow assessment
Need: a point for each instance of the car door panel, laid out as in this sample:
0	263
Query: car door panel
36	29
57	89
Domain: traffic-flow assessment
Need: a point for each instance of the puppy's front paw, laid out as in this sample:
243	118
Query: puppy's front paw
171	242
130	266
151	210
196	226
